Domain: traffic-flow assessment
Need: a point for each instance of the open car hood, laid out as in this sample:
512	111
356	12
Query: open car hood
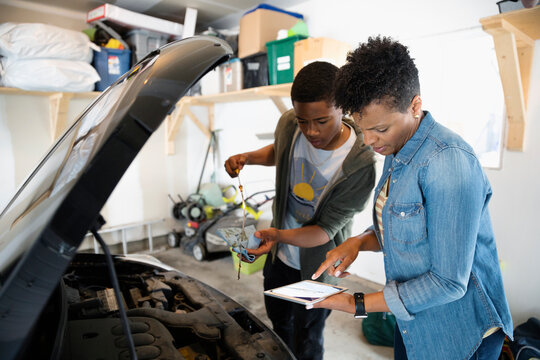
45	222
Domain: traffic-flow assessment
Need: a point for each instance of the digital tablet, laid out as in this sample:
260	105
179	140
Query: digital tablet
305	292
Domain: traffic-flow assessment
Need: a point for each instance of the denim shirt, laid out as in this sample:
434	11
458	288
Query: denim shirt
444	283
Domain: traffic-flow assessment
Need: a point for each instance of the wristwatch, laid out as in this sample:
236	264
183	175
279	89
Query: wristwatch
360	312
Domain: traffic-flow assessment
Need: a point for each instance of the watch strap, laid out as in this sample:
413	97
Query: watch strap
360	307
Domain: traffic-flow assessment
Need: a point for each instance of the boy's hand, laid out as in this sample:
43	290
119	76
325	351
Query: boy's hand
235	162
269	237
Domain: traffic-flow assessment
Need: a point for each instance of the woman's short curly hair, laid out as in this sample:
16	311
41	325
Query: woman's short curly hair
380	70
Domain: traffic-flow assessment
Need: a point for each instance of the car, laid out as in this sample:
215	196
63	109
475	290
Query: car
56	303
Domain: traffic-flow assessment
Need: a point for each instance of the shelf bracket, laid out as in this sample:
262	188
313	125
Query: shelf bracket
172	124
514	34
279	104
183	108
58	109
198	123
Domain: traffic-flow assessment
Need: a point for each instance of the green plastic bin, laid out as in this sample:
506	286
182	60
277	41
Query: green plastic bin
248	268
281	59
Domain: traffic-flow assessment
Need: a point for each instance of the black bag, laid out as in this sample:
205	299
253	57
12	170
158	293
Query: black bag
526	342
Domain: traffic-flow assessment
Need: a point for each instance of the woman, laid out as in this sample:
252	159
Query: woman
430	218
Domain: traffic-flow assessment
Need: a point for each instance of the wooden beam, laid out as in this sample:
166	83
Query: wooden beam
78	95
196	121
525	55
279	104
172	125
508	60
211	117
514	34
58	109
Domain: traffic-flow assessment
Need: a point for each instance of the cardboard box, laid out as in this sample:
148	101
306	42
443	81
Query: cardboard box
260	26
319	49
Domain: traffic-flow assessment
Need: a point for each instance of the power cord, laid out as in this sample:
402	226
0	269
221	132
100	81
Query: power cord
112	273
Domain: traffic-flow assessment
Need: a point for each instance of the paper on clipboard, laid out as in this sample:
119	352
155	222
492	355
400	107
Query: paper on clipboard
305	292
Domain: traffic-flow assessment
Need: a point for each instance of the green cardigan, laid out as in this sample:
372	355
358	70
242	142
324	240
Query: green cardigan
343	197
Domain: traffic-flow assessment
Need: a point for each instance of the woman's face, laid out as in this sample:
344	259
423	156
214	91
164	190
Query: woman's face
320	123
386	130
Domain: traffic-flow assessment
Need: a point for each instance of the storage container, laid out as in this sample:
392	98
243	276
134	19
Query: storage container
260	25
144	41
319	49
281	59
248	268
255	68
231	74
110	65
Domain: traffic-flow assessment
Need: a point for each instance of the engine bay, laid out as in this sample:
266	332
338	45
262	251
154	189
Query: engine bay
171	315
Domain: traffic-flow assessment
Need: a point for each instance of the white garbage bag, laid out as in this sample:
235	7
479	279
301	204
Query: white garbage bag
34	40
48	75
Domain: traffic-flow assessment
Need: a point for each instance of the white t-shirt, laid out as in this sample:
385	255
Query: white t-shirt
311	170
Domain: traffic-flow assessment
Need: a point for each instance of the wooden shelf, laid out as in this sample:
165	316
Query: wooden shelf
514	34
175	119
74	95
58	105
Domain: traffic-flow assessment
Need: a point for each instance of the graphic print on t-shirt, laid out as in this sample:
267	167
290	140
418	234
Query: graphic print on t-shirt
307	184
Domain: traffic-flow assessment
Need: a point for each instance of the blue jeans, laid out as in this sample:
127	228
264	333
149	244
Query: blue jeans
489	349
300	329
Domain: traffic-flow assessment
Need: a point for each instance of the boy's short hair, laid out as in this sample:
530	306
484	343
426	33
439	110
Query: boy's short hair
314	82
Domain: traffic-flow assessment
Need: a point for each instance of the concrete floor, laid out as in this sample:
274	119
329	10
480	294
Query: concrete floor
343	338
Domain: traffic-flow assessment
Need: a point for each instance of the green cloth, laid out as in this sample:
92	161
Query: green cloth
379	328
341	201
300	28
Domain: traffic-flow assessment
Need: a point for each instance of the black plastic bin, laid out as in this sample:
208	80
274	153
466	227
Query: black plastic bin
255	69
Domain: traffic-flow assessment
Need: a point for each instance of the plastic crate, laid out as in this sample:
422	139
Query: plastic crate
231	73
143	41
281	59
110	65
255	69
248	268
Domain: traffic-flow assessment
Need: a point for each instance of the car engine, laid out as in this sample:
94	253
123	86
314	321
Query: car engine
171	315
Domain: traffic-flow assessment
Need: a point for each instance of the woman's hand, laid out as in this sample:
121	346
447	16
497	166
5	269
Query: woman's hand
269	237
235	162
342	302
346	253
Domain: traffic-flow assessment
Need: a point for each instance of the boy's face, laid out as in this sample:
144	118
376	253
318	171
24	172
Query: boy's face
320	123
